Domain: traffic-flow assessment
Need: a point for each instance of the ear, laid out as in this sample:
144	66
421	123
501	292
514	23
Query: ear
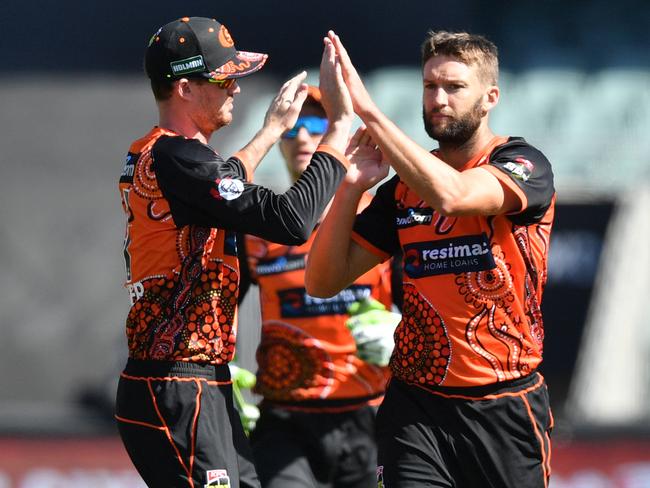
184	89
490	98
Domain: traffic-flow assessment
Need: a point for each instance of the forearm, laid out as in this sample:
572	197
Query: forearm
253	152
440	185
338	132
329	267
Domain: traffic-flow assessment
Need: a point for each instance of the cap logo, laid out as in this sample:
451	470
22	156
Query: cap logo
224	37
188	65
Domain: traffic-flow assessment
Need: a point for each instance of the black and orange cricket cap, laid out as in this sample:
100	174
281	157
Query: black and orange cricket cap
197	47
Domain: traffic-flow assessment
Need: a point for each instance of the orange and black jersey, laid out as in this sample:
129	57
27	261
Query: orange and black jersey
184	204
307	357
472	284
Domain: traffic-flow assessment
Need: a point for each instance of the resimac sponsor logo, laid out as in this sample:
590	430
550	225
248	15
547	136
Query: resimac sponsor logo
296	302
280	264
414	216
445	256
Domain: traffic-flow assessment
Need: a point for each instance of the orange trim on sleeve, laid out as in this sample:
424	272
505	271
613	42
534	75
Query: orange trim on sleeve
247	165
369	247
336	154
505	180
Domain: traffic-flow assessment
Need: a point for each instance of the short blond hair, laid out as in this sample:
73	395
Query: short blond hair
470	49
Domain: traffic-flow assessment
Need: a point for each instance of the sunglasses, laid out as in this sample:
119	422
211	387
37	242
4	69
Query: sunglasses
223	84
314	125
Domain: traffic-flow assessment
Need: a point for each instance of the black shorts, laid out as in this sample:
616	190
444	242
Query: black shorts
180	428
498	438
309	450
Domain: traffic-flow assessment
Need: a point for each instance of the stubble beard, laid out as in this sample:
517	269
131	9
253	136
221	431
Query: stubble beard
457	131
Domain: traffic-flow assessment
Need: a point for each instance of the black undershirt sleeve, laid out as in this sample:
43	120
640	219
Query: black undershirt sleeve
204	189
376	223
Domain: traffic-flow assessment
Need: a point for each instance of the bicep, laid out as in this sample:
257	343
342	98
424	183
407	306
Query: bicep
484	194
360	261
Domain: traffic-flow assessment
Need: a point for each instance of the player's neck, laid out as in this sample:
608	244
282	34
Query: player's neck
183	125
457	155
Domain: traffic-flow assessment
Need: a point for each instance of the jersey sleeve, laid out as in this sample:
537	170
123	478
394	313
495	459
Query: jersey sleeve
374	228
204	189
526	171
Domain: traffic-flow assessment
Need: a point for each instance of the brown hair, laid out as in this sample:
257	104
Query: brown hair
162	89
470	49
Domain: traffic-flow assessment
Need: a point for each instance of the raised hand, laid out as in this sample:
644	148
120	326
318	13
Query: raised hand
335	96
367	167
361	100
285	107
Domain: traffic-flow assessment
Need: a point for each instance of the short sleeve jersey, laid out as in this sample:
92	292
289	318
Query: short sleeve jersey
184	204
306	353
472	284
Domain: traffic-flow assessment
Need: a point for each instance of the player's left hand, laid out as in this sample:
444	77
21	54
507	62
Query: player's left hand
367	167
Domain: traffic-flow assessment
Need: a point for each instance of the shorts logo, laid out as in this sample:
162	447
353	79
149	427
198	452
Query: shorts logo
227	189
447	256
188	65
414	216
380	477
217	478
520	168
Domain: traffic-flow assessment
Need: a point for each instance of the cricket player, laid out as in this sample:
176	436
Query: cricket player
466	406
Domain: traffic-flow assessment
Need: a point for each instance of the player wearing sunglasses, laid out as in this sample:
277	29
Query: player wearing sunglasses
317	418
184	204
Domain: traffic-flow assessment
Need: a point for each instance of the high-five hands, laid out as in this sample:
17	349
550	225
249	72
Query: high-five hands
361	100
285	107
367	167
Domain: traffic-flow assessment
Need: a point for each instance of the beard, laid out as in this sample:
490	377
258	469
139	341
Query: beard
456	131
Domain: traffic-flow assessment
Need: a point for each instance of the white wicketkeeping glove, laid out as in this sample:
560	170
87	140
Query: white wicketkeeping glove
372	327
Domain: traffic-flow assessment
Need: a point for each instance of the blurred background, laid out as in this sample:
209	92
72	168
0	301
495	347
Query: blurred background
575	82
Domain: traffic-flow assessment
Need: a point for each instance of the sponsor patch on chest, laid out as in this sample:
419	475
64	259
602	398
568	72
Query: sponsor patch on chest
411	217
447	256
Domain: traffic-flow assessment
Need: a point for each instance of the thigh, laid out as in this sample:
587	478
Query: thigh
507	439
279	453
411	452
176	430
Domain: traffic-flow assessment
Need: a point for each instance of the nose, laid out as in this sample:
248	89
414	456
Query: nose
234	89
439	97
303	135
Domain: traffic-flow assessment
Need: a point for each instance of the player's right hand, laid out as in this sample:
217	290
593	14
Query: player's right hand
361	100
335	96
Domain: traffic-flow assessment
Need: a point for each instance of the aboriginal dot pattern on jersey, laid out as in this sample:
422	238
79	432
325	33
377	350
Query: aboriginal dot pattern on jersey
422	349
145	183
486	287
203	330
288	361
